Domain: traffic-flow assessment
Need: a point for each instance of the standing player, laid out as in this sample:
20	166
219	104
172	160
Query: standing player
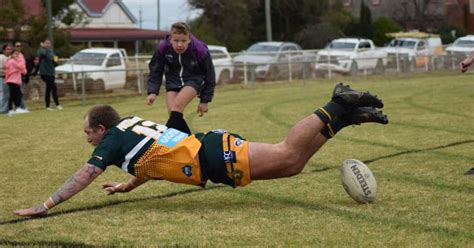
189	71
147	150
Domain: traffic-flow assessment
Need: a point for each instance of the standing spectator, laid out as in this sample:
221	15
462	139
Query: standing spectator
14	68
189	71
18	47
47	73
4	91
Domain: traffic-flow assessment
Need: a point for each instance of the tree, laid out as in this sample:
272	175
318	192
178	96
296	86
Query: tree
365	21
239	23
420	14
16	24
223	22
361	27
381	27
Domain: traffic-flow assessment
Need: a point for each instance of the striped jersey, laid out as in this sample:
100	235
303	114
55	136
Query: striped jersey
146	149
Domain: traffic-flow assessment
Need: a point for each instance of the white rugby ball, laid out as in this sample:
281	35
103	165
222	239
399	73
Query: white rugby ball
358	181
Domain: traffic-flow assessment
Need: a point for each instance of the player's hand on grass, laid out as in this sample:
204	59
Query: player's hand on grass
32	212
202	108
113	187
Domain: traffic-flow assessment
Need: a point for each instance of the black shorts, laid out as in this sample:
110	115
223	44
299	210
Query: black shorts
176	87
223	158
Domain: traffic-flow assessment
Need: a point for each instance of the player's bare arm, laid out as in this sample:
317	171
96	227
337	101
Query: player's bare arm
75	184
464	65
114	187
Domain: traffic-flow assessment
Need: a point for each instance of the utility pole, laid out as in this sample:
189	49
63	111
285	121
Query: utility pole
158	15
140	20
268	20
50	17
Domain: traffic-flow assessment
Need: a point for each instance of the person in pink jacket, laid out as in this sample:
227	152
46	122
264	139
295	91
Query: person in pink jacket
14	68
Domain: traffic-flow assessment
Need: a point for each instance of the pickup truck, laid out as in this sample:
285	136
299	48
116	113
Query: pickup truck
408	50
462	48
273	61
103	69
349	55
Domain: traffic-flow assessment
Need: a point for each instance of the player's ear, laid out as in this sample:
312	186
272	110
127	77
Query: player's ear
101	128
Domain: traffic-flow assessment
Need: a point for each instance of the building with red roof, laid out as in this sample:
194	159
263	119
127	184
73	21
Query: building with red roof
106	23
110	22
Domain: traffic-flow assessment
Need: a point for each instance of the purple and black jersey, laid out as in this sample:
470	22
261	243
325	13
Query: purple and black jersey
194	66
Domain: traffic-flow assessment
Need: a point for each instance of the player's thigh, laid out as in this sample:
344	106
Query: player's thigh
267	161
184	97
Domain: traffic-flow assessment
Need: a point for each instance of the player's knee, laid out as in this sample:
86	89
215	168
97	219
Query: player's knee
293	163
177	106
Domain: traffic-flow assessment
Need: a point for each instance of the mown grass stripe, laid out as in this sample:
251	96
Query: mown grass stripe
369	218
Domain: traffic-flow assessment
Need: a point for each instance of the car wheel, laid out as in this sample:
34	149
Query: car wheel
307	71
224	77
379	68
98	86
273	74
354	69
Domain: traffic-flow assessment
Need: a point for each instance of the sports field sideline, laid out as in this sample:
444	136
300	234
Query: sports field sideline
418	159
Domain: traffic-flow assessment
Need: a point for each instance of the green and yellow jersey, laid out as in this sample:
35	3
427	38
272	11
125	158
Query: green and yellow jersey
149	150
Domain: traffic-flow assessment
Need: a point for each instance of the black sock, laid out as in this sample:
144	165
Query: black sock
330	112
177	122
333	127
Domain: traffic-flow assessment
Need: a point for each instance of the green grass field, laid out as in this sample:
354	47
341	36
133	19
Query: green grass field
423	199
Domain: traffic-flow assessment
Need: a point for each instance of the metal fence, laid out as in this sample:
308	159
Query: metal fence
80	82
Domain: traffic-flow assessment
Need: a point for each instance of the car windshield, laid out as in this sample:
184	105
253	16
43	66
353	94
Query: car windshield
217	54
263	48
341	45
402	43
86	58
464	43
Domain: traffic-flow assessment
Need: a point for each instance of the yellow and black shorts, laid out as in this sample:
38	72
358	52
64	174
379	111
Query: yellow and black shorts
224	158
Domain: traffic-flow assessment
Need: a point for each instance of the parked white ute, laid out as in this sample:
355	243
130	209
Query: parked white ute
103	68
349	55
409	50
459	50
223	64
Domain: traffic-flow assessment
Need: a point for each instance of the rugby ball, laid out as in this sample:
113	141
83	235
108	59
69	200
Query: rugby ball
358	181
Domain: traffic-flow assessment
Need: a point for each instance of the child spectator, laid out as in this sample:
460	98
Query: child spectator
15	67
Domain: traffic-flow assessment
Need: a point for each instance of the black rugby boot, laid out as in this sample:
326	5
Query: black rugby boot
346	96
365	114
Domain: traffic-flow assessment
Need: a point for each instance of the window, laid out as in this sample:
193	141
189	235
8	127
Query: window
289	48
114	60
421	45
364	45
217	54
375	2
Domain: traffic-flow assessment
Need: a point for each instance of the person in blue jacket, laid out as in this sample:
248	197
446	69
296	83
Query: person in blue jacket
189	72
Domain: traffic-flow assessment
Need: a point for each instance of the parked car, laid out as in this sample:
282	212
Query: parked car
223	64
459	50
349	55
409	50
273	60
103	69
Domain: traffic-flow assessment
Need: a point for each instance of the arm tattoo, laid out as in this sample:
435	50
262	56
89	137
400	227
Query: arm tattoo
76	183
